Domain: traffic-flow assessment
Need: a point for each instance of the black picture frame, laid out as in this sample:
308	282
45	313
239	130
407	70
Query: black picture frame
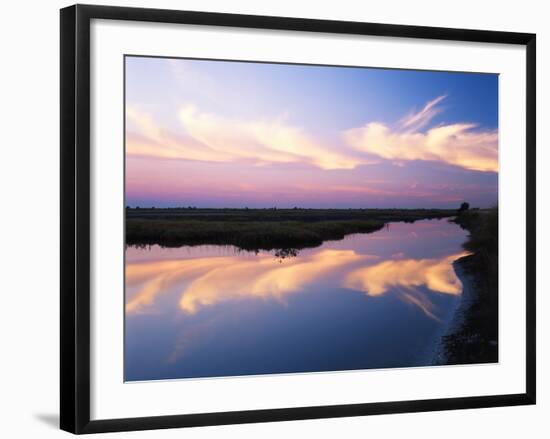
75	217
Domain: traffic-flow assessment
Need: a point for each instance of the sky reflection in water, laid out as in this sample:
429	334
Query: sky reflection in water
368	301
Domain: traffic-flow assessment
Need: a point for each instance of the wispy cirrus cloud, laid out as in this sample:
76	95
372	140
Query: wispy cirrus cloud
417	120
264	141
213	138
209	137
213	280
458	144
145	137
436	274
209	281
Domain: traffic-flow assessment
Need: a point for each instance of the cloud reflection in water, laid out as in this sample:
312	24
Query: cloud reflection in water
207	281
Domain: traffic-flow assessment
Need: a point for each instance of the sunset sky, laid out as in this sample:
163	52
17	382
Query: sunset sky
236	134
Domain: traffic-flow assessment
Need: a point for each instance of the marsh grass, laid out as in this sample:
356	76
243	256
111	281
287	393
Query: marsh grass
249	235
477	339
260	229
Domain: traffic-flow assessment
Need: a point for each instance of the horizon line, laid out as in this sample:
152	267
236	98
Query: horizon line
305	208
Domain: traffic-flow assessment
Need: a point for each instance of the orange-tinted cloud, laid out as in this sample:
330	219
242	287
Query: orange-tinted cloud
436	274
145	137
213	138
458	144
406	276
263	141
208	137
154	278
262	279
208	281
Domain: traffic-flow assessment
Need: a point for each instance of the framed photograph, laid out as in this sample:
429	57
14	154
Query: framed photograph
268	218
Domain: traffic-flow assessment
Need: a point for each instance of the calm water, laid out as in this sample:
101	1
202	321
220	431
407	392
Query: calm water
368	301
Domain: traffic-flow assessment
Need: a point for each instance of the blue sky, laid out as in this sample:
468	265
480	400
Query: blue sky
315	136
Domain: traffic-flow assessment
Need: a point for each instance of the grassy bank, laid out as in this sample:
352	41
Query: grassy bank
476	340
255	229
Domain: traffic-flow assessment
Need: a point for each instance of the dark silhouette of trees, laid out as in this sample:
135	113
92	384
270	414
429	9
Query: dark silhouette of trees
463	207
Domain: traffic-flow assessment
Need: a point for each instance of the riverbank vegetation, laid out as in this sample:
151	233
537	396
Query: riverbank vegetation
476	340
260	229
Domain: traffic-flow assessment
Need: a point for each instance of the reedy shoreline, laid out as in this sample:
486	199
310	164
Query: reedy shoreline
261	229
472	336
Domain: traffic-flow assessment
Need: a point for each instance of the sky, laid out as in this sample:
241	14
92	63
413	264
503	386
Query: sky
243	134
